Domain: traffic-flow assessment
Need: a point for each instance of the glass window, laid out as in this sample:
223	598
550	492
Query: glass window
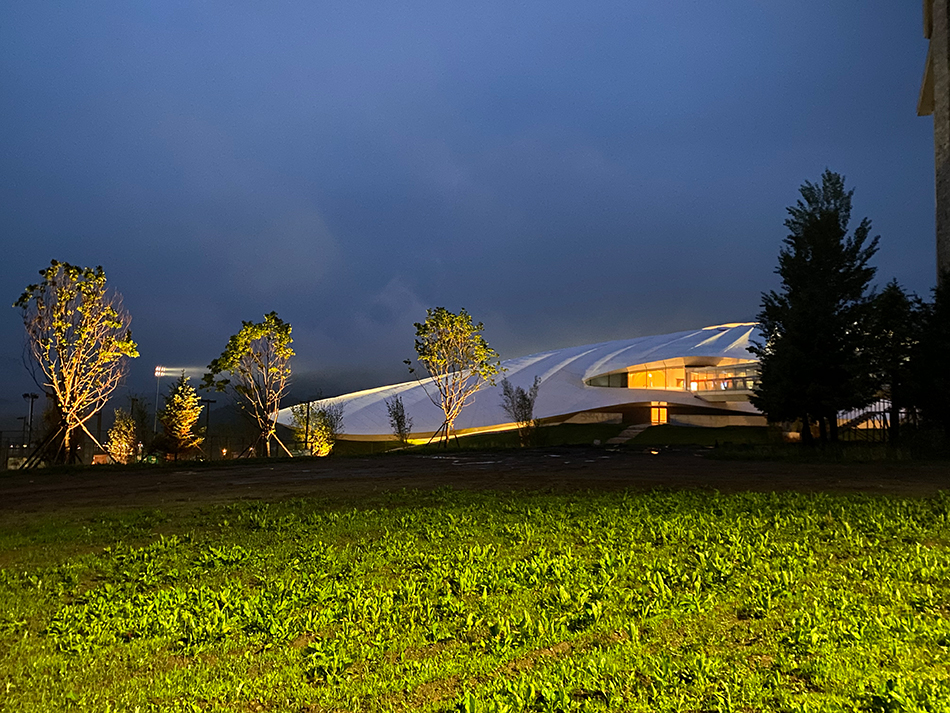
740	377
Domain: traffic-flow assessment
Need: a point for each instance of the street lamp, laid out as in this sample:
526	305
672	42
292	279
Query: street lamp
31	397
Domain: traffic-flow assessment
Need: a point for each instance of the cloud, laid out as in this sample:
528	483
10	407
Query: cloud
294	252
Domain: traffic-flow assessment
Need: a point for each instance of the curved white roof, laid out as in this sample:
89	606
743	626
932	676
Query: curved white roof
563	390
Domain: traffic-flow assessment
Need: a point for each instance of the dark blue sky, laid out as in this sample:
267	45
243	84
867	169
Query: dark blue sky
568	172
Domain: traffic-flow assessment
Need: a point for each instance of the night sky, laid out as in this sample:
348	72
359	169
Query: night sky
568	172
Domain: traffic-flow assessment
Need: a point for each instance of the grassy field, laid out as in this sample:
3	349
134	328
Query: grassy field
461	601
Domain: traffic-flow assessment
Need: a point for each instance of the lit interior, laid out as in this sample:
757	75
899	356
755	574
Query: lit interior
727	375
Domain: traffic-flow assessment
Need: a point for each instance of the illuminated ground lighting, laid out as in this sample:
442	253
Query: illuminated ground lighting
701	377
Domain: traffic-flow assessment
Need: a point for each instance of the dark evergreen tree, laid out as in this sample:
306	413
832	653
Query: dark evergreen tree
895	330
931	376
814	360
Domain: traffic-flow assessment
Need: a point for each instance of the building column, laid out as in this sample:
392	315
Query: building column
940	53
935	100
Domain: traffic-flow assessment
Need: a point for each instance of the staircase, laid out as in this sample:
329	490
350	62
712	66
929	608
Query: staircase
628	433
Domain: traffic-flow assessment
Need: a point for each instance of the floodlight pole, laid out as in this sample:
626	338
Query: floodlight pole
160	371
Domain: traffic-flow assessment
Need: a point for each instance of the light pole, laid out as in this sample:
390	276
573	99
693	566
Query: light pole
208	424
31	397
160	371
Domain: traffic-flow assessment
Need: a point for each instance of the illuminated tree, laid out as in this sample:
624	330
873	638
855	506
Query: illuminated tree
459	361
123	441
179	417
79	339
519	405
814	361
258	361
317	428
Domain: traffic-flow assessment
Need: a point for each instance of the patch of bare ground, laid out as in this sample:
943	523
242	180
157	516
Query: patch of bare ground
528	661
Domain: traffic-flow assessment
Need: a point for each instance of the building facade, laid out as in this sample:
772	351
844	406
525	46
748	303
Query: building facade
702	377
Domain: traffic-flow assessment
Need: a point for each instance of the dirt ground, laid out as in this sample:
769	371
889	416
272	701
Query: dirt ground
355	479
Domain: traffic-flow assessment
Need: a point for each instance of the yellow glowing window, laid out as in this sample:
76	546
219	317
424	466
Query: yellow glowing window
658	415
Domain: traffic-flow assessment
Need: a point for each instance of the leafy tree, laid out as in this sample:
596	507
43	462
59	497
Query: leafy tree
459	361
79	340
123	441
258	361
814	361
400	423
895	331
179	417
519	405
317	428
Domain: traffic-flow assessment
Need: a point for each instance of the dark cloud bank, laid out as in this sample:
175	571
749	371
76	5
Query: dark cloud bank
568	173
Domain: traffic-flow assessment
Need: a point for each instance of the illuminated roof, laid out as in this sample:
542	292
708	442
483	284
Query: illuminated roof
563	390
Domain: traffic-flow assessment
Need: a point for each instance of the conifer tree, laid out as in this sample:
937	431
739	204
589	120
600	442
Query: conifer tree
814	360
179	417
931	381
895	331
123	440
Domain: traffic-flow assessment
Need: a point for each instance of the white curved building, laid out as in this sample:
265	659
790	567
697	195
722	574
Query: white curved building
702	377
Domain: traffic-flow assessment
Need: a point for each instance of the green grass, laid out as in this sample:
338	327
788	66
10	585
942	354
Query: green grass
459	601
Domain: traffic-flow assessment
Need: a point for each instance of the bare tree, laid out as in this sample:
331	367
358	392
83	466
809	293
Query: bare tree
80	345
519	405
258	361
400	423
458	359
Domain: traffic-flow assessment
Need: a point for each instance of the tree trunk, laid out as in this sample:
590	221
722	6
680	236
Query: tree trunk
807	439
894	422
833	427
70	443
822	430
